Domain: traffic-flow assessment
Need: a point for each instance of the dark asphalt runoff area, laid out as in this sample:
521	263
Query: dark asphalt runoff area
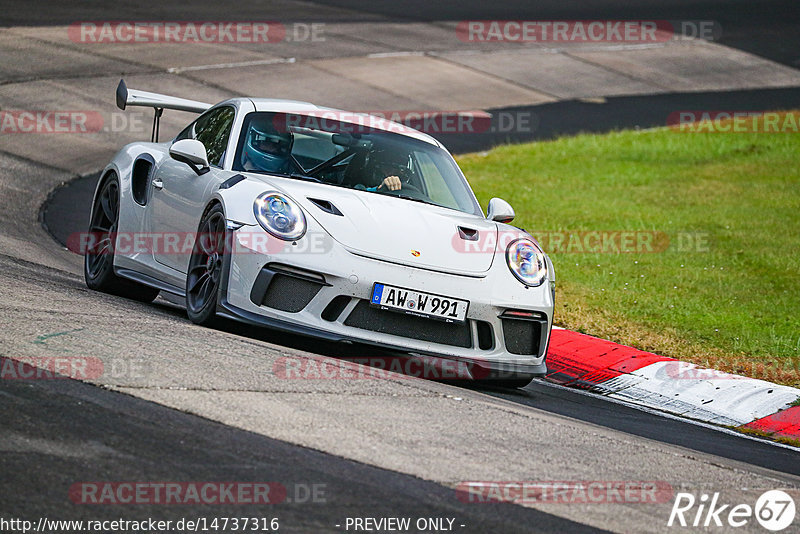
58	433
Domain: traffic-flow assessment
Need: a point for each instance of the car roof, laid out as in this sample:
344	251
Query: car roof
307	108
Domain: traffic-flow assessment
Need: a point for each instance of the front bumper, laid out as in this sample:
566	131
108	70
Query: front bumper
324	290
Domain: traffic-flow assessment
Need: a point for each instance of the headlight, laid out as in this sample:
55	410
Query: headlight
527	262
279	216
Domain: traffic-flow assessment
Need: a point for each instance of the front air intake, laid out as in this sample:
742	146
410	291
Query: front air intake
289	294
286	288
368	317
524	332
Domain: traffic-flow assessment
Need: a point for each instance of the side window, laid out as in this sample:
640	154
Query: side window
187	133
213	130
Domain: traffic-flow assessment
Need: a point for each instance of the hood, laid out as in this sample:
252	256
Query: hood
398	230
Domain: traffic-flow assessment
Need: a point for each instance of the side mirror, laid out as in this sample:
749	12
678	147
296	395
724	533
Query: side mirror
191	152
499	210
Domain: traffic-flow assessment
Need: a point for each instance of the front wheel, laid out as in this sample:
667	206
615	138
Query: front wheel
98	259
205	268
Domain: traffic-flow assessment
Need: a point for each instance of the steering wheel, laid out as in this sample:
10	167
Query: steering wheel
408	186
405	175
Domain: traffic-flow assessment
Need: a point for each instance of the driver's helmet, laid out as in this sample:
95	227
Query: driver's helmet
388	161
265	147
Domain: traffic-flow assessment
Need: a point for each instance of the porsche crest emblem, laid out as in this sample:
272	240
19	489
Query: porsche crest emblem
415	253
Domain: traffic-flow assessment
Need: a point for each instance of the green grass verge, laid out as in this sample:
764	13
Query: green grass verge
731	302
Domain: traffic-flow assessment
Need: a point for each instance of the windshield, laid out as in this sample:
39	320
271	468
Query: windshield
348	155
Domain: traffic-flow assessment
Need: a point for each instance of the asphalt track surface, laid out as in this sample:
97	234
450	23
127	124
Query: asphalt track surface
50	422
750	26
57	432
769	28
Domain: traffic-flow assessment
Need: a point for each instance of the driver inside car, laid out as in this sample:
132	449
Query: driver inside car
389	163
392	183
267	149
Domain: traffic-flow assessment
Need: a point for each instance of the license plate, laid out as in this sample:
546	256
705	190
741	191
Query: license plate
419	303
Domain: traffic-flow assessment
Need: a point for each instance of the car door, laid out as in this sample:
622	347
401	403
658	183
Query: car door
179	194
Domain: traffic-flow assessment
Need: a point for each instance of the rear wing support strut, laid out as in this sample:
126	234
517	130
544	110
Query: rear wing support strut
156	124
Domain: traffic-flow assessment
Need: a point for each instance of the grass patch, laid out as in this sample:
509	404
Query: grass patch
788	441
766	435
752	431
723	293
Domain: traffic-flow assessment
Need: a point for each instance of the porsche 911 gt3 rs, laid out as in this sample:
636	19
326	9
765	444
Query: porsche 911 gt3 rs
325	223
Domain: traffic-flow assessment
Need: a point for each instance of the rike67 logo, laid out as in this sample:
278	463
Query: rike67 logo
774	510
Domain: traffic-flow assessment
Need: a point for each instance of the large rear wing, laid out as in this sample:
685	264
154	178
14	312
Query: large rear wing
131	97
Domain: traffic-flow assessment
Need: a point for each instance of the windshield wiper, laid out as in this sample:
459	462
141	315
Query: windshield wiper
414	199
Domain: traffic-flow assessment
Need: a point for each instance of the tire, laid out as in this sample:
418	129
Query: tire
98	260
205	268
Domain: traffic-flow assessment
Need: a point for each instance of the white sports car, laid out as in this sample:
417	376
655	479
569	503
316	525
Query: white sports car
325	223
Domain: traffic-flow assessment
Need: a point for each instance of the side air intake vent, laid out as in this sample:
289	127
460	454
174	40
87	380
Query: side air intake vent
468	234
326	206
140	178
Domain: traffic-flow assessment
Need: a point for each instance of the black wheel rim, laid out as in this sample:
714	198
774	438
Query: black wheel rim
205	265
103	228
